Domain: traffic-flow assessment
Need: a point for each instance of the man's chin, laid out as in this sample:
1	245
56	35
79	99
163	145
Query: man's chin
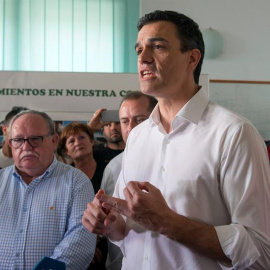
27	166
28	163
148	91
116	140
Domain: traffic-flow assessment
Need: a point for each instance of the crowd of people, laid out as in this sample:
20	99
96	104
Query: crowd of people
75	144
181	183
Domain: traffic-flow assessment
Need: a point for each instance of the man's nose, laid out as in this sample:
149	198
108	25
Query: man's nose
113	126
131	125
145	56
27	145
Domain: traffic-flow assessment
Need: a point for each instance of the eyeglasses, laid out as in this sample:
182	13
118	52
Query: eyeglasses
34	141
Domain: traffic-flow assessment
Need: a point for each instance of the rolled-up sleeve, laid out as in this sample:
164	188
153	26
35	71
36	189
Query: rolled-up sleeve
245	187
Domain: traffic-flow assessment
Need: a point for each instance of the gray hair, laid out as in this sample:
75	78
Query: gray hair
46	117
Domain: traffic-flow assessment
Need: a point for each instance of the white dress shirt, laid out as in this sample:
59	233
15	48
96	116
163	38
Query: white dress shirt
110	176
111	173
212	167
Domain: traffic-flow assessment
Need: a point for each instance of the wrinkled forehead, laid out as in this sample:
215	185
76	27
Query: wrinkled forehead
77	132
29	124
133	108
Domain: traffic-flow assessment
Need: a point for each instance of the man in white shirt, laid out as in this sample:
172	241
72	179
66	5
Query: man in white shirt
194	190
135	108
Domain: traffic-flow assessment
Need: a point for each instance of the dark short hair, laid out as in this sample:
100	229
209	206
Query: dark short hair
133	95
46	117
188	31
74	128
12	113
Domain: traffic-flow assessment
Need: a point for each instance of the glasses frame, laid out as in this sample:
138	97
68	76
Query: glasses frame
23	140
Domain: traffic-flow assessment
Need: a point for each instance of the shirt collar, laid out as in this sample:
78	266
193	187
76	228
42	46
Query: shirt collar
192	110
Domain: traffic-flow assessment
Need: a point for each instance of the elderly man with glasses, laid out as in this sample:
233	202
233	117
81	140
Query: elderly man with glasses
42	200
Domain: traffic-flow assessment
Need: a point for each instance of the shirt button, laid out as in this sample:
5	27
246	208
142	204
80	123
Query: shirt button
21	230
24	209
146	258
167	142
162	169
17	254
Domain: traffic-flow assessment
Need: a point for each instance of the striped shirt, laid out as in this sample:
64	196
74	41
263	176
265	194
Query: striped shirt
44	218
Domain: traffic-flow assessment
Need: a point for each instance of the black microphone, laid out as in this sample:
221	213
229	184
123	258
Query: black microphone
47	263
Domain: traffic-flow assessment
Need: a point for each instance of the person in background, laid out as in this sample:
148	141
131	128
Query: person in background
135	107
5	153
194	189
77	141
59	153
112	133
42	200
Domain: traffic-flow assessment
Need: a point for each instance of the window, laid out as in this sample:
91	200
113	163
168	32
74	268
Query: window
68	35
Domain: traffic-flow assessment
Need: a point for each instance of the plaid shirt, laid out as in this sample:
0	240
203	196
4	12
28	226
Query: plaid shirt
44	218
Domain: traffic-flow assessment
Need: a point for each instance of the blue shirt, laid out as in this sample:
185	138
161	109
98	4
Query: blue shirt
44	218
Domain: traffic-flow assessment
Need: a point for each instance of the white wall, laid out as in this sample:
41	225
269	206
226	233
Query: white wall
245	27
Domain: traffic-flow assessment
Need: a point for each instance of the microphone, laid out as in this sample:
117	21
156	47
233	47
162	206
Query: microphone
47	263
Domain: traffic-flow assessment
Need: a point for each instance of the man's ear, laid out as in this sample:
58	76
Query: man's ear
55	140
195	56
9	144
5	130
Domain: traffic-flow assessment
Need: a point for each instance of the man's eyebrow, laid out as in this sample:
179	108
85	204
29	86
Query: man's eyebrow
135	116
152	40
17	136
140	115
